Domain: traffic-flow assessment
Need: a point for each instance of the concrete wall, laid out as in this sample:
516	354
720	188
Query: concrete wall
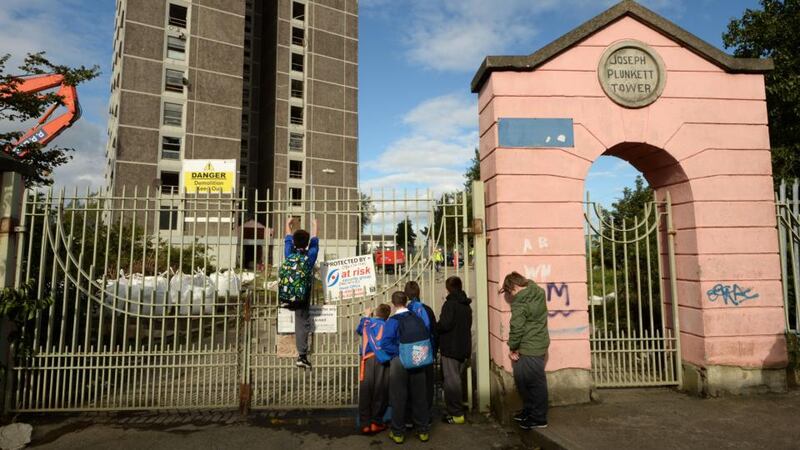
705	141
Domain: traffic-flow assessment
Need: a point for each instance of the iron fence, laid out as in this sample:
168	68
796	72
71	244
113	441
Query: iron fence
170	301
787	201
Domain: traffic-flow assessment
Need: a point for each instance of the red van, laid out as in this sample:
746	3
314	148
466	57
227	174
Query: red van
389	260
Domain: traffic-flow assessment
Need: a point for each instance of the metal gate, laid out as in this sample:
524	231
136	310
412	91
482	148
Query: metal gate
162	300
632	296
788	211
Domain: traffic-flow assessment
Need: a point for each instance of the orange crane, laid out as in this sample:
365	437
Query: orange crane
47	127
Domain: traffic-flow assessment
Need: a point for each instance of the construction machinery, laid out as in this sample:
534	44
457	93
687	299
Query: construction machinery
47	127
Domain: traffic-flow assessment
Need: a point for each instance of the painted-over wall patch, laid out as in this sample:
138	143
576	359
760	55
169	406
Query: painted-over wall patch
535	133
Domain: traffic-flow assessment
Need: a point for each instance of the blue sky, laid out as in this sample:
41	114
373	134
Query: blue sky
418	120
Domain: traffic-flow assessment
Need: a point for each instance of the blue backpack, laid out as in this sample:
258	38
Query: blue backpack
416	350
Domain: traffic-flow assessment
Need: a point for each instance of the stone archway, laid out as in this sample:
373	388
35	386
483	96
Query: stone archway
545	118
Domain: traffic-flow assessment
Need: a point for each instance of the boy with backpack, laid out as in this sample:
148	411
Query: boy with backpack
295	282
424	312
407	342
455	343
373	377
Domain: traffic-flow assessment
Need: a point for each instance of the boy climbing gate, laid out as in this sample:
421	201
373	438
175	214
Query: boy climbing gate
295	278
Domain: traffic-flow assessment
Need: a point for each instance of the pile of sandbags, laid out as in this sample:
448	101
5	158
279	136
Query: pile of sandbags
137	294
193	294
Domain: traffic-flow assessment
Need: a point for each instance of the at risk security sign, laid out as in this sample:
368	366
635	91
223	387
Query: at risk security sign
348	278
203	176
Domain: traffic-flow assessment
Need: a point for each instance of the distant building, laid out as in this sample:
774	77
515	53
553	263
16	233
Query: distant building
271	84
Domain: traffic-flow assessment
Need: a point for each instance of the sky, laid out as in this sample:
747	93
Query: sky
417	117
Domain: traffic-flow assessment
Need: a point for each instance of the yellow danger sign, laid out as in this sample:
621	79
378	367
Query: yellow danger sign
204	176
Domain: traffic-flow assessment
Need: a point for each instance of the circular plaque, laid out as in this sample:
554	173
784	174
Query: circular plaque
632	74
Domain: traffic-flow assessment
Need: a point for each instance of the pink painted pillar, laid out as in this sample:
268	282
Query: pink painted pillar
705	141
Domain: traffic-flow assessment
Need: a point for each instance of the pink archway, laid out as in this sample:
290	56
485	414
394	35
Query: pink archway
704	140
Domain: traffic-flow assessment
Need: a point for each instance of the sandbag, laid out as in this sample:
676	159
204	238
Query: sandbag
192	294
228	283
138	294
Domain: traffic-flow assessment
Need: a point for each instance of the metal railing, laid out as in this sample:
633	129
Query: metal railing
634	333
148	313
787	201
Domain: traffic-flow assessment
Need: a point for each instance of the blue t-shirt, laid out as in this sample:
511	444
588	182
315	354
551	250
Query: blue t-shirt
313	249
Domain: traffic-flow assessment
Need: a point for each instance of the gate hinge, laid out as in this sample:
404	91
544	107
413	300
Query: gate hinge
476	228
7	225
245	394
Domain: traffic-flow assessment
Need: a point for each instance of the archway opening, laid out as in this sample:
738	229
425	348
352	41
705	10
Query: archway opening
630	267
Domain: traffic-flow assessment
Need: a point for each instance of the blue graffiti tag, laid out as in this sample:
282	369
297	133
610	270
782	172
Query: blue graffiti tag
735	294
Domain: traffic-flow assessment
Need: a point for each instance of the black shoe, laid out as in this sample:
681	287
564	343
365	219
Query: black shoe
529	424
303	362
520	416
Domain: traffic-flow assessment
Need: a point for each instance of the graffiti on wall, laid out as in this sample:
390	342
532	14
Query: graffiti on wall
558	291
539	272
568	331
542	242
730	294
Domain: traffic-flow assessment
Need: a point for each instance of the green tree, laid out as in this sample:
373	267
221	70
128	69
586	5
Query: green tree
17	107
447	229
19	306
473	172
632	203
772	32
405	237
367	209
630	268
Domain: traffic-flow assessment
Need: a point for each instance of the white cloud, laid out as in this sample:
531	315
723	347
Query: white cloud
434	153
62	28
458	34
455	35
436	179
88	160
461	112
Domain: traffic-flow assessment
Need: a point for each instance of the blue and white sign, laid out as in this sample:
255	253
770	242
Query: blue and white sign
348	278
535	133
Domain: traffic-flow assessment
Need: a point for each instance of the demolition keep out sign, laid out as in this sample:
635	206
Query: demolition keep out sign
348	278
632	74
204	176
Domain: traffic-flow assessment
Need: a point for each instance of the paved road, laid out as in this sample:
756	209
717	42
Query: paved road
227	430
664	419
